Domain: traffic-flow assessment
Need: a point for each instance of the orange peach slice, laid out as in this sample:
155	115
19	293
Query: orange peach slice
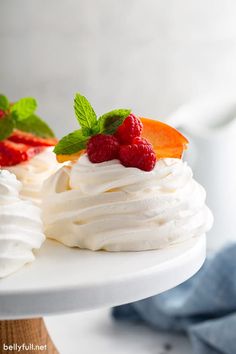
166	141
72	157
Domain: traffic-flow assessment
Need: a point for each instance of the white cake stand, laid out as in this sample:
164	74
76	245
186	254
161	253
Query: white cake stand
64	280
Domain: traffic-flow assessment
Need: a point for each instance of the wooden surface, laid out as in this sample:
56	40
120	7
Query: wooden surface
25	335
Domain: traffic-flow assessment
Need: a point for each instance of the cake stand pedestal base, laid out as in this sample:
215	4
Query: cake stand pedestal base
28	335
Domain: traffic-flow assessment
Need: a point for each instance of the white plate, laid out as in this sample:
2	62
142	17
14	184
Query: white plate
68	280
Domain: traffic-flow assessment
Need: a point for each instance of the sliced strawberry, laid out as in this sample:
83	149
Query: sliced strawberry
19	136
12	153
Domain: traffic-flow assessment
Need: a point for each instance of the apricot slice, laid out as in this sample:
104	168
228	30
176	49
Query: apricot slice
72	157
166	141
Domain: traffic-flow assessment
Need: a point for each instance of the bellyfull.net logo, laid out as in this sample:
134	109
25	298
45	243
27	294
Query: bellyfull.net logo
23	347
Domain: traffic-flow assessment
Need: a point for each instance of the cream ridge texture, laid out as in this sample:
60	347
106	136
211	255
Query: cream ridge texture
34	172
21	228
107	206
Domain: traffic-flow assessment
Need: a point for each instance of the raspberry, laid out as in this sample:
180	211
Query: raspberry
139	155
138	140
102	148
131	127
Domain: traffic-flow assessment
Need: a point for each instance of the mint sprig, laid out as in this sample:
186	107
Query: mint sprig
109	122
84	112
21	115
71	143
6	127
4	103
35	125
90	125
24	108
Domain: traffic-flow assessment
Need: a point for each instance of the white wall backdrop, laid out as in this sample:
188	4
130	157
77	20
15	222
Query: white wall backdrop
150	55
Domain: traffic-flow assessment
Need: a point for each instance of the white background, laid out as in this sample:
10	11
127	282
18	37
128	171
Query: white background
150	55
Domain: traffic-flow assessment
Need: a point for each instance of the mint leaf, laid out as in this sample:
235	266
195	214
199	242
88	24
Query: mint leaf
84	112
71	143
6	127
109	122
23	108
4	103
91	131
35	125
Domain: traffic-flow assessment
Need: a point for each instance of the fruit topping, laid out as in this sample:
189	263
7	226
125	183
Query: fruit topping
70	157
129	129
119	134
31	139
21	115
12	153
139	154
102	148
22	133
166	141
139	140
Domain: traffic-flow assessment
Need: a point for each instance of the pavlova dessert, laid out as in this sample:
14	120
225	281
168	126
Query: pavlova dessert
126	187
26	144
21	228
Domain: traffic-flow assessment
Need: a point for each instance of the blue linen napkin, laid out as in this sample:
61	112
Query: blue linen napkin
203	307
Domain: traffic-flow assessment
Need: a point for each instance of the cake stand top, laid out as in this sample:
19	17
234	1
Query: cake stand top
63	280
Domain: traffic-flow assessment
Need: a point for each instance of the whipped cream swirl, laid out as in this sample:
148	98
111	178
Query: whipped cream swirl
34	172
111	207
20	226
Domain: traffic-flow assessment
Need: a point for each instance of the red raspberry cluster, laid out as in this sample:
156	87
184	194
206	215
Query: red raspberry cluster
126	145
